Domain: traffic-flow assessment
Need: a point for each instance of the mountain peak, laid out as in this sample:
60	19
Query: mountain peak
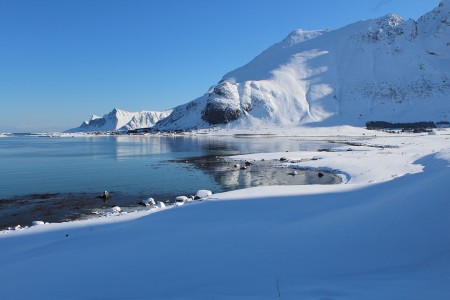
386	28
392	20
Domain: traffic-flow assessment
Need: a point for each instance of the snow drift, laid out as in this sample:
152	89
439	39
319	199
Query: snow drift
121	120
387	69
356	241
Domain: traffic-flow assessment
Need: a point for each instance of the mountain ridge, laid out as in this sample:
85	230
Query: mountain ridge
387	69
121	120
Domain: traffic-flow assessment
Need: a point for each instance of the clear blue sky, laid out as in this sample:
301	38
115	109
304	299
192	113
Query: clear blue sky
63	60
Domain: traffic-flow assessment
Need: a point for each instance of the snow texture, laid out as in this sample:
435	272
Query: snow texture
203	194
383	235
182	199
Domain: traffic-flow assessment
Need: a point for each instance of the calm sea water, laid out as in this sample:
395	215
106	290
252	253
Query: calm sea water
141	165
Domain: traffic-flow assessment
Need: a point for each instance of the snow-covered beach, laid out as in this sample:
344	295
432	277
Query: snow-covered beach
382	235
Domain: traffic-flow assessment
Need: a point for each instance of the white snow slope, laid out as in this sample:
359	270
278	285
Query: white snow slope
386	69
121	120
361	240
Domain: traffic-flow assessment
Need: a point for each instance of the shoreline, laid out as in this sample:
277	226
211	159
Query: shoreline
20	211
361	160
386	229
304	132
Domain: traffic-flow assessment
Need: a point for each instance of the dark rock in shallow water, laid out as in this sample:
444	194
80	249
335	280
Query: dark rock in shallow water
320	174
283	159
247	163
105	195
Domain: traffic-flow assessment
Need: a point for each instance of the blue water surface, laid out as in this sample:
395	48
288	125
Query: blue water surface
132	164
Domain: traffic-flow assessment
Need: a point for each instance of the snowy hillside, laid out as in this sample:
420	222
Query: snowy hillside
387	69
121	120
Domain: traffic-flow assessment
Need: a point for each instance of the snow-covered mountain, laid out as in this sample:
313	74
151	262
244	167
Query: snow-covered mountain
387	69
121	120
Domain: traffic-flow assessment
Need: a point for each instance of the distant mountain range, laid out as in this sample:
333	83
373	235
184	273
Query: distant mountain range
118	120
385	69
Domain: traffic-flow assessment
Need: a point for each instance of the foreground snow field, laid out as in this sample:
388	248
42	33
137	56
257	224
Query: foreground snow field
383	235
